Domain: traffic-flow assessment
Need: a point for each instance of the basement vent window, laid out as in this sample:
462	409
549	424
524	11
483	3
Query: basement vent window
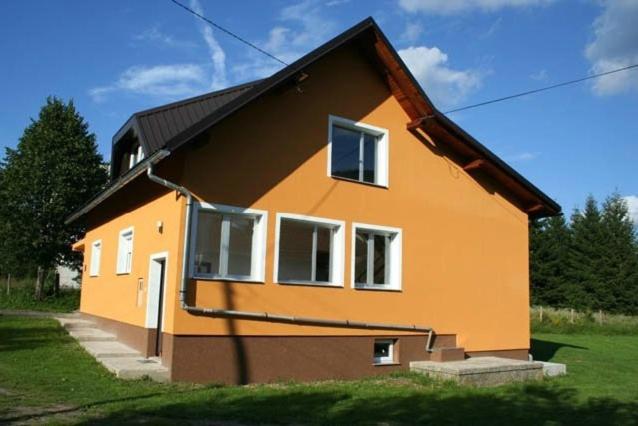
376	257
229	243
309	251
357	152
384	352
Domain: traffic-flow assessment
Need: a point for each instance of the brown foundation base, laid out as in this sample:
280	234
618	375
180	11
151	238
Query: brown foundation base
139	338
260	359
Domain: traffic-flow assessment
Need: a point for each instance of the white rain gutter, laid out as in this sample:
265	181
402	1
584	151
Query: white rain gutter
260	316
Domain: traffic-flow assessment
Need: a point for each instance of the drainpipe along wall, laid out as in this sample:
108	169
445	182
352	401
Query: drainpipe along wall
260	316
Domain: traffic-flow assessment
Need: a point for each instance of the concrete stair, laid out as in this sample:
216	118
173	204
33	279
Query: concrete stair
118	358
447	354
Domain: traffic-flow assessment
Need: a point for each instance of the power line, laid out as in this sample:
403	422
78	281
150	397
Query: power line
230	33
542	89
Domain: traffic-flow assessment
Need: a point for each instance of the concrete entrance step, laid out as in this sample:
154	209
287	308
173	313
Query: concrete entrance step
481	371
109	349
136	368
91	335
74	323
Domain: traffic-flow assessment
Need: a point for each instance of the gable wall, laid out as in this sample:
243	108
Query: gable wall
465	253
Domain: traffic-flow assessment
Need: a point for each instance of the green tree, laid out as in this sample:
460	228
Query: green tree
549	245
585	289
53	171
619	265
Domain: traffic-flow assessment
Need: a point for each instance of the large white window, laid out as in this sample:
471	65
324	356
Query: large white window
125	251
96	254
376	257
309	250
229	243
357	151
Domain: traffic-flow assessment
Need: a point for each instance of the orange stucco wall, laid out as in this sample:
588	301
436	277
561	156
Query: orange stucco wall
465	252
121	297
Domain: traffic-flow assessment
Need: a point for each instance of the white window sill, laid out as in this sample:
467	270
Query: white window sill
385	364
93	276
376	185
310	284
376	288
123	273
227	279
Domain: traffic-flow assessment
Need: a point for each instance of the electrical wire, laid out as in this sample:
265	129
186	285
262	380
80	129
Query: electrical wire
542	89
230	33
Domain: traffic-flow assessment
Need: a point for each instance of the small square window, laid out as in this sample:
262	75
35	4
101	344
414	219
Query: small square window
358	152
383	351
309	251
376	257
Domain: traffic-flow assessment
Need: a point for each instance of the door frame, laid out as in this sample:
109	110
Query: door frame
153	295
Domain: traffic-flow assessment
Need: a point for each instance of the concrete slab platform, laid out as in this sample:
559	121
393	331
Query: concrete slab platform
91	335
481	371
109	349
136	368
553	369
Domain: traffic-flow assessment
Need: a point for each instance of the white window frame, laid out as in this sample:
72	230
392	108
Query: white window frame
395	254
96	258
258	253
126	266
384	359
336	255
382	161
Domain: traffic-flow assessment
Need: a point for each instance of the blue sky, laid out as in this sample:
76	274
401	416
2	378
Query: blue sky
114	58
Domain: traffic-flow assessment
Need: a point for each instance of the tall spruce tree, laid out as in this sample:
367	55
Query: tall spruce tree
549	245
52	172
585	289
619	266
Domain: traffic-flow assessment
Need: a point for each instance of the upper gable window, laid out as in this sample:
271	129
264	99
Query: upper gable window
357	152
135	155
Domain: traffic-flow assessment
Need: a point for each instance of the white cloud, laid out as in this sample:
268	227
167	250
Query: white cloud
444	85
615	45
522	157
302	26
540	75
217	54
169	81
155	35
632	205
447	7
412	31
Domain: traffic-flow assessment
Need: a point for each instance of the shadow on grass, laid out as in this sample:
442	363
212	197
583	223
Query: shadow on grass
530	404
545	350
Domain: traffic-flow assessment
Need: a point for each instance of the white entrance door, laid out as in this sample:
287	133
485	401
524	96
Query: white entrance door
156	292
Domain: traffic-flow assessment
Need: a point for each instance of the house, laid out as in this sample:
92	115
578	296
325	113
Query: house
325	222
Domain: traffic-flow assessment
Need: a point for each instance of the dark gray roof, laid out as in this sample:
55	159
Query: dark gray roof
156	126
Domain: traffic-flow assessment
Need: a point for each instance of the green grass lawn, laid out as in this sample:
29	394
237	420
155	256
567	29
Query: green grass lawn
45	377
